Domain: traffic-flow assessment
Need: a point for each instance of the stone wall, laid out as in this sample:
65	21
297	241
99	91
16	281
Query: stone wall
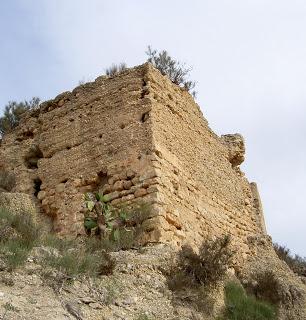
137	137
97	135
202	189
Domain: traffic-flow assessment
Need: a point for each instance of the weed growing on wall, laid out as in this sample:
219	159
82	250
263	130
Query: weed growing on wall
115	69
117	228
173	69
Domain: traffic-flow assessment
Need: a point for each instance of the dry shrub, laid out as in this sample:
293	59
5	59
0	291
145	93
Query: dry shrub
14	111
207	267
175	70
270	288
296	263
115	69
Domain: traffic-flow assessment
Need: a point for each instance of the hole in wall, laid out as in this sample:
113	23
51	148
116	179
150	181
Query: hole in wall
100	181
158	153
145	117
102	178
100	136
122	126
64	181
37	184
32	157
71	120
145	89
28	135
68	148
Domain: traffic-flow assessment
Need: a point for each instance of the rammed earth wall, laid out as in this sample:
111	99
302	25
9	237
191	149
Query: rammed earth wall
136	136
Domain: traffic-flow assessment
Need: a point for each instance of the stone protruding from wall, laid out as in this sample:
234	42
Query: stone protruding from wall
236	148
139	138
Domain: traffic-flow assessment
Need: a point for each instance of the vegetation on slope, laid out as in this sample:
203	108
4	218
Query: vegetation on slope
240	306
296	263
19	235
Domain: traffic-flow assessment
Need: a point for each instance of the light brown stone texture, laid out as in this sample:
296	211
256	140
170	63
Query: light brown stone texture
138	137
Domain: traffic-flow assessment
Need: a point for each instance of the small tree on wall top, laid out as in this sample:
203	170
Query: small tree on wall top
175	70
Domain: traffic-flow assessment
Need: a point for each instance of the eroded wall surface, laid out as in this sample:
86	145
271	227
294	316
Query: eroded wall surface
97	136
203	192
137	137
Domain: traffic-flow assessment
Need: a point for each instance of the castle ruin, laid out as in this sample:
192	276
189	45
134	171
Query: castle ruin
140	138
136	136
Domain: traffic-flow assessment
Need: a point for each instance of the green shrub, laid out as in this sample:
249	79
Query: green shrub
176	71
74	258
26	230
23	235
7	180
296	263
207	267
115	69
13	113
239	306
15	253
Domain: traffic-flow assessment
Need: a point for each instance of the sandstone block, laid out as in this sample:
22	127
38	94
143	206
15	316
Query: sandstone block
140	192
60	188
148	175
118	185
127	184
41	195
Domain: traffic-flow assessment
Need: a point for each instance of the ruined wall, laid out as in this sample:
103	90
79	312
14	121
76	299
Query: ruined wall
97	136
135	136
202	190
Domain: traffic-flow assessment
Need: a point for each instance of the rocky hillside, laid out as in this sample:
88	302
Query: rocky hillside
136	290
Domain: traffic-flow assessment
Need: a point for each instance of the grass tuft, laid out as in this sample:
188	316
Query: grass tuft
239	306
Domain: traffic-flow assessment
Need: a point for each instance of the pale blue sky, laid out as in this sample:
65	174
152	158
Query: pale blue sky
248	58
